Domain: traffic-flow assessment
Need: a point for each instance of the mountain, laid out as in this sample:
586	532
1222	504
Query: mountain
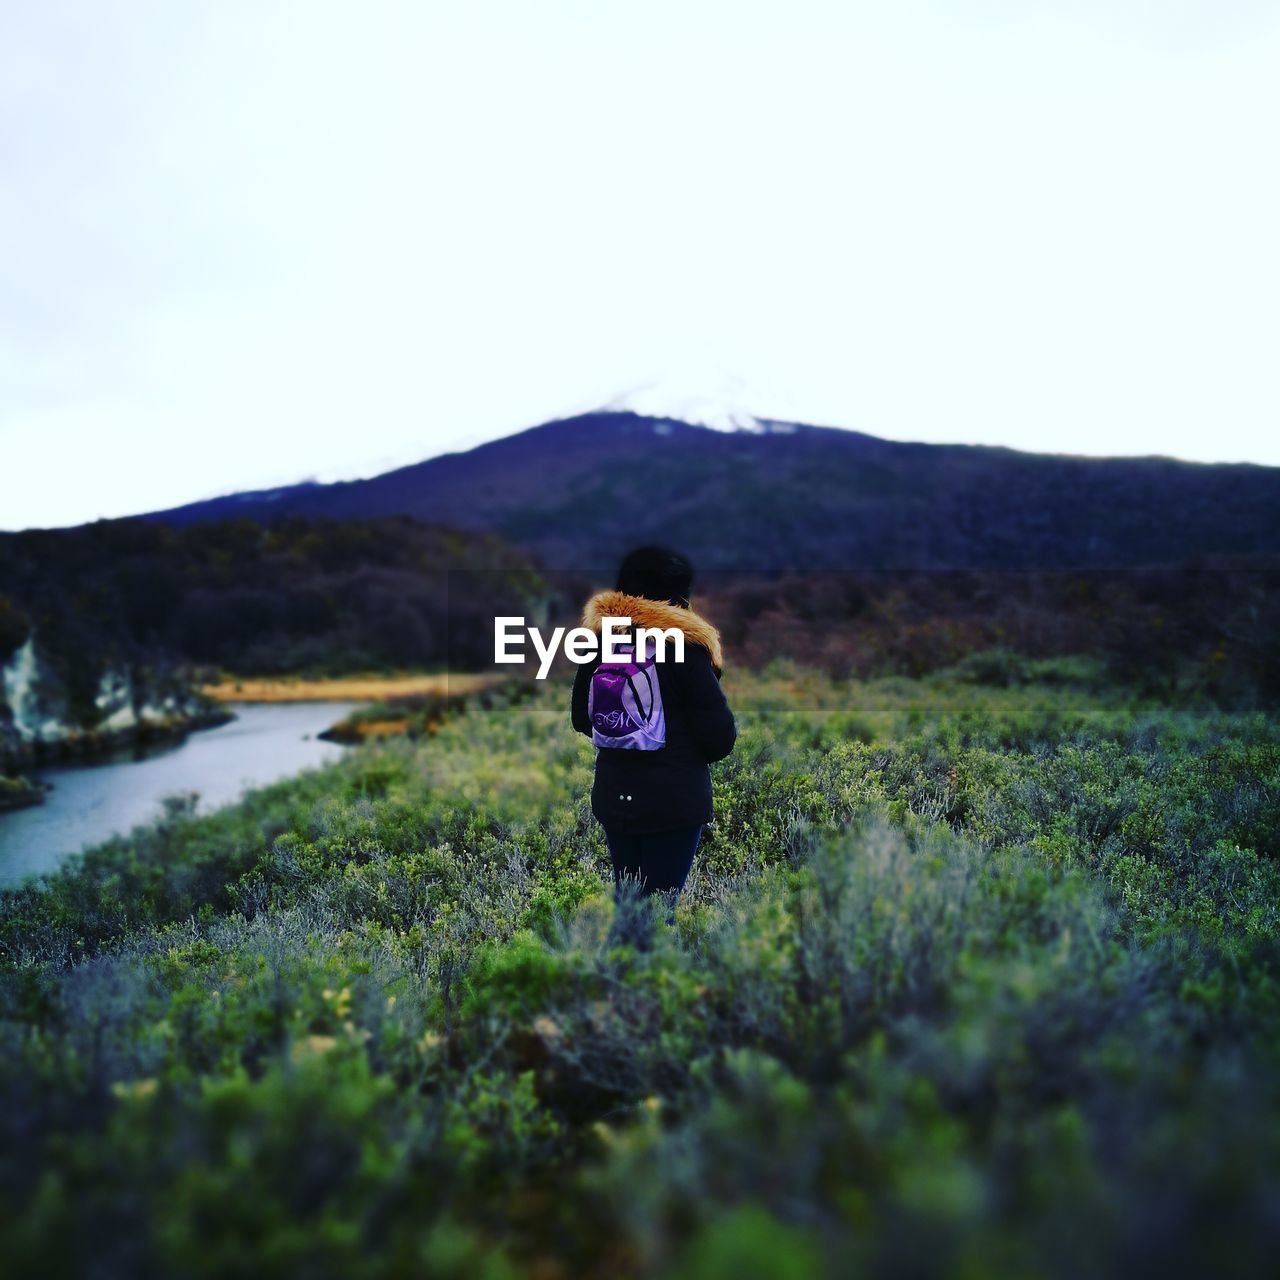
580	490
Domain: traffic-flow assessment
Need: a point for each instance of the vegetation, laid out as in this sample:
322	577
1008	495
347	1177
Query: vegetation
421	714
19	792
971	979
392	688
148	607
328	598
297	596
1201	631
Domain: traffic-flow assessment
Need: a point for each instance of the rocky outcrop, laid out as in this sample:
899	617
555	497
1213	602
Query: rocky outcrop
38	724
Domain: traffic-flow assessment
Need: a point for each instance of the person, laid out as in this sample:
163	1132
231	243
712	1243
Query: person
654	804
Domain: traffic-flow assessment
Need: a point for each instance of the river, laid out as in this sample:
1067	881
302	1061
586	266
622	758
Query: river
89	802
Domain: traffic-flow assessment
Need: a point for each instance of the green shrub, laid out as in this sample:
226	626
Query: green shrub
968	980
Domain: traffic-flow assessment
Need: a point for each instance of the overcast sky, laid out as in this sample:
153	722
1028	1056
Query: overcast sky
251	242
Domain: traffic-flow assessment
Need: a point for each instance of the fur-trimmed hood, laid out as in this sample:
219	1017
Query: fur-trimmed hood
654	613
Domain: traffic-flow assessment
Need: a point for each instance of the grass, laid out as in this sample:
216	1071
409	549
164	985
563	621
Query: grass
968	981
357	688
421	714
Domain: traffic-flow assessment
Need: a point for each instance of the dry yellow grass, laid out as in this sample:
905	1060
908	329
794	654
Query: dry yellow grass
379	728
345	689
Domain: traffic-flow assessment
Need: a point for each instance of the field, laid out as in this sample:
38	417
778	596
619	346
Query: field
354	688
969	981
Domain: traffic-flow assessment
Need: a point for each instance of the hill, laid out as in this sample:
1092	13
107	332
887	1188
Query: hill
580	491
100	625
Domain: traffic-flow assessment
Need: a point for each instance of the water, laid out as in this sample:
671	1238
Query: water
266	742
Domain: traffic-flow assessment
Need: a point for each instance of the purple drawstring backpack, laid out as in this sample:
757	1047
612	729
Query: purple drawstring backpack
625	704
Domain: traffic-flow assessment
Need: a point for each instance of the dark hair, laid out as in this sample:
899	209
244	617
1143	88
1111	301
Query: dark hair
656	573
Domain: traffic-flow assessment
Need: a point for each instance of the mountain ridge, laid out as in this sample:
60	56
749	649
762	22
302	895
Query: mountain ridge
577	491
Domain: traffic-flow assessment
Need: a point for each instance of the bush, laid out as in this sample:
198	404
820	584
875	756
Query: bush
968	980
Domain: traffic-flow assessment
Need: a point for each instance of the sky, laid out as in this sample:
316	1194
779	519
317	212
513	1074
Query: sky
254	242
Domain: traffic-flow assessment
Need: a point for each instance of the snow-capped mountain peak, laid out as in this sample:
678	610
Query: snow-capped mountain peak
702	408
725	403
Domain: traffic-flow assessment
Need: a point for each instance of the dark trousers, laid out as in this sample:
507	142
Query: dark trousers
659	860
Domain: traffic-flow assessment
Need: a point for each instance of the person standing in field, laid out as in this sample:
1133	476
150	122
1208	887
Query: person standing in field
657	725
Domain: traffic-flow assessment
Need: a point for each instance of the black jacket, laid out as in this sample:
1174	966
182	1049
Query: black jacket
670	788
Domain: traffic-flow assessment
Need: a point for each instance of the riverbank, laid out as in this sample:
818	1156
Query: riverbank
399	704
421	714
91	801
20	793
84	746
